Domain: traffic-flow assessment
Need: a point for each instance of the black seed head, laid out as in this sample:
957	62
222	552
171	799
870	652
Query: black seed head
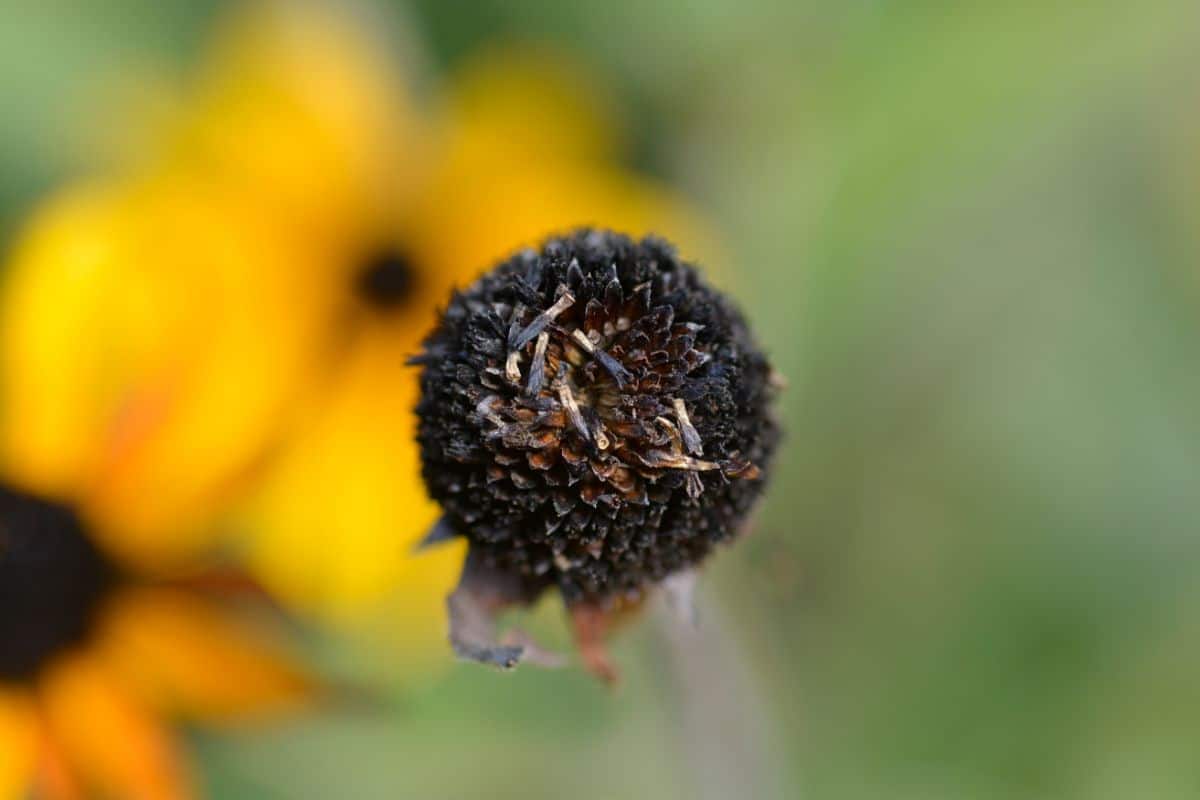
594	416
52	580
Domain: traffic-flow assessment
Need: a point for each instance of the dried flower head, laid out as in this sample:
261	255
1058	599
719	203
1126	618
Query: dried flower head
593	417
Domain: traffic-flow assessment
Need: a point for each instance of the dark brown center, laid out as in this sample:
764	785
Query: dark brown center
386	280
52	580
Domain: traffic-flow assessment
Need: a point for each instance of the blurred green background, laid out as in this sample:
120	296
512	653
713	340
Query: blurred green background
967	234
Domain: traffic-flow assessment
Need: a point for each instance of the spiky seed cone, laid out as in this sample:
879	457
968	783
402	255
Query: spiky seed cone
594	417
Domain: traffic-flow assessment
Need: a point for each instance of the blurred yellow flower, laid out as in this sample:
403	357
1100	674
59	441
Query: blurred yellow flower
363	209
137	375
118	445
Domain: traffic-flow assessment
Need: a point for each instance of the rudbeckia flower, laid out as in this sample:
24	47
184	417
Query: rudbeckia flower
113	455
366	207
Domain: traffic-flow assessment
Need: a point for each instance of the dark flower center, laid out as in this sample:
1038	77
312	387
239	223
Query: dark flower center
51	582
594	415
386	280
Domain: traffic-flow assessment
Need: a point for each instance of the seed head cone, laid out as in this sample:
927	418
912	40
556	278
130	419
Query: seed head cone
594	416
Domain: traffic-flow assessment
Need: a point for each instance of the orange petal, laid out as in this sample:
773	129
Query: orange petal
18	744
339	514
56	779
116	745
179	652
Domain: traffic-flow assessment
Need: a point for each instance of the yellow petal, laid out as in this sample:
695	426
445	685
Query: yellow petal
531	102
339	514
118	747
249	313
531	150
75	328
183	655
458	232
18	744
153	335
299	102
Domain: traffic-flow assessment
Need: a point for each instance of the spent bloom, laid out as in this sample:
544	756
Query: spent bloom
594	418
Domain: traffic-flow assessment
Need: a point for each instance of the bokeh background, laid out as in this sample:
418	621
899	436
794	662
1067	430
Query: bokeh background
967	234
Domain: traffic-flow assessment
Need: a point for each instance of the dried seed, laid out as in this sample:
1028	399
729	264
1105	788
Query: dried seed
691	439
568	400
537	368
539	324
